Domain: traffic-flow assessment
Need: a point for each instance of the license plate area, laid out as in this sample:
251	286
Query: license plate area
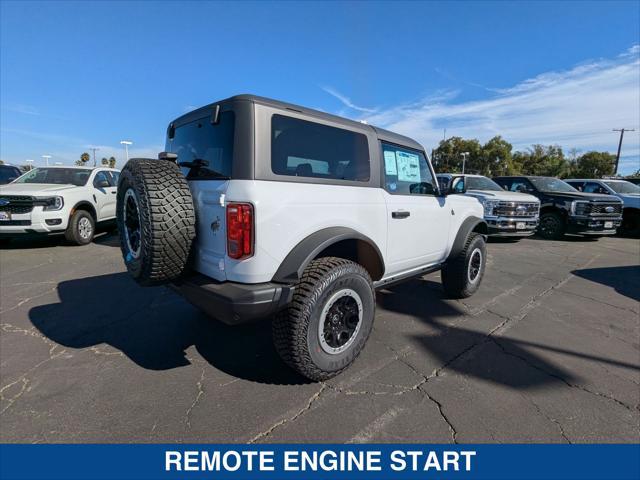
521	225
608	224
5	216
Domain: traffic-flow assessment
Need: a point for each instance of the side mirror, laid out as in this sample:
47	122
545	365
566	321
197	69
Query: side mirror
458	186
101	184
521	189
172	157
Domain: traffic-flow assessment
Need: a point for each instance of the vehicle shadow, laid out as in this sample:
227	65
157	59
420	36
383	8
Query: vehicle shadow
155	327
624	280
450	342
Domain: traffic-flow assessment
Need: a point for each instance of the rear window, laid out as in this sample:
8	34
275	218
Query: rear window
307	149
205	144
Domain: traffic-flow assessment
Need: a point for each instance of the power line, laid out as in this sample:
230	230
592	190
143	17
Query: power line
621	130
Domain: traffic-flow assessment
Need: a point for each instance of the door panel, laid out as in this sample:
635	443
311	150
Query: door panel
418	220
105	197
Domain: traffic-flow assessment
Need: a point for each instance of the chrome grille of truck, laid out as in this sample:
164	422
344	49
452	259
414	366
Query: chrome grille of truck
517	209
599	209
17	204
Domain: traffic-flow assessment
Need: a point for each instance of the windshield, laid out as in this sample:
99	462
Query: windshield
551	185
623	187
481	183
8	174
204	148
57	176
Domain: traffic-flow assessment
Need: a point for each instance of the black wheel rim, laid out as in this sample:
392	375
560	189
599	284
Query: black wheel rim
549	225
475	265
340	321
132	223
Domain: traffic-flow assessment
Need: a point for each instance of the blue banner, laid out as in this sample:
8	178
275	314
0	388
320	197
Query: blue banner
289	461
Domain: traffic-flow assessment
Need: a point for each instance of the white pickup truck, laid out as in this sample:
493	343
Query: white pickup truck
69	200
508	214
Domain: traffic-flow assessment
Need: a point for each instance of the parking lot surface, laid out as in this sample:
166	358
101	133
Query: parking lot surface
547	351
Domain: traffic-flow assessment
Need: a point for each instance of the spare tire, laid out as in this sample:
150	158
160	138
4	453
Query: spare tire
156	220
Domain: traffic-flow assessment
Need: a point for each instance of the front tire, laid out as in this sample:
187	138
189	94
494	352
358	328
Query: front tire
329	319
81	228
551	226
462	275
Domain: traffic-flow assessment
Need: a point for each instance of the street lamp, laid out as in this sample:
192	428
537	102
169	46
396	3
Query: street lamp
126	144
46	157
464	160
29	163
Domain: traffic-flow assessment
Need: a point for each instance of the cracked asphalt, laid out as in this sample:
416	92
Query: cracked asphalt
547	351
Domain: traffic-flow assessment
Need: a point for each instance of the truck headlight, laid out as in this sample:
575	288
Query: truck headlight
489	205
52	203
574	207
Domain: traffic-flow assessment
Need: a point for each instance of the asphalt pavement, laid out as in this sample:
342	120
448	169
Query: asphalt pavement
547	351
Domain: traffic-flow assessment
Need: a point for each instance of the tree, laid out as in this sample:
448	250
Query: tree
448	156
496	158
594	165
84	158
1	162
545	160
104	161
112	162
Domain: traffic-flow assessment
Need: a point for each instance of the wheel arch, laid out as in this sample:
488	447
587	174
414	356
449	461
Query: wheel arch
469	225
86	206
342	242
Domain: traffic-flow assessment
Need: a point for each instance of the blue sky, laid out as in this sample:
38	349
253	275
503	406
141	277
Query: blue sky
79	74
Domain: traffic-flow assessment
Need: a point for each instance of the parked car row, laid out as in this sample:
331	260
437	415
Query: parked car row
518	206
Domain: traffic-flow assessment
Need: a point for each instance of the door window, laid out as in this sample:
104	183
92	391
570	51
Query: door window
406	172
101	177
592	187
114	178
520	185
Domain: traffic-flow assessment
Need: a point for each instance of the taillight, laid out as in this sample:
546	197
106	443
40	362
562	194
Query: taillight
239	230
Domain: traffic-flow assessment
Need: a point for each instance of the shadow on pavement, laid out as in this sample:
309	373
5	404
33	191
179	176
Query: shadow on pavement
625	280
104	236
154	327
425	301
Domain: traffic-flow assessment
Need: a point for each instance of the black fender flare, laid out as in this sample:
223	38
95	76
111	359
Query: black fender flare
469	225
291	268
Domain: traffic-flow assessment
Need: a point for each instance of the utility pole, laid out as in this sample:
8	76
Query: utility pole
94	149
621	130
46	158
126	144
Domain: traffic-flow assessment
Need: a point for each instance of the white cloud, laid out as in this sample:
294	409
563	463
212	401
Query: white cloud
577	108
346	101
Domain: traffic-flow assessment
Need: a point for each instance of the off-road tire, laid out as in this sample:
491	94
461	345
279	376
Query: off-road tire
552	226
295	329
166	216
456	273
76	231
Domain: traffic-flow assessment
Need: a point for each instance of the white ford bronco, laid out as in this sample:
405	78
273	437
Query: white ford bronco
260	209
508	214
69	200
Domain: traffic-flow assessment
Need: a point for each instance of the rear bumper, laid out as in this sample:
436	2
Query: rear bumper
234	303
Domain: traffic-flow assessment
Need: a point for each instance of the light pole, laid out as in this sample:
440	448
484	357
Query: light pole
29	163
464	160
126	144
46	157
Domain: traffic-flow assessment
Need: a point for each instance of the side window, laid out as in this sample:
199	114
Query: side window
592	187
99	178
577	185
114	178
406	172
307	149
520	185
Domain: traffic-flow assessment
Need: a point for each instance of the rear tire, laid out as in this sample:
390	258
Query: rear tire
630	224
81	228
156	220
326	325
551	226
462	275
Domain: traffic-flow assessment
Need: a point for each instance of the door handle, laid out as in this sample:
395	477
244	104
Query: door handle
113	193
400	214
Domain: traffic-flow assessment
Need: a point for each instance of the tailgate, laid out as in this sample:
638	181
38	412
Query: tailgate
211	235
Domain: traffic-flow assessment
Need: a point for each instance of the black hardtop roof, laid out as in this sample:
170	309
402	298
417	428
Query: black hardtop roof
381	133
